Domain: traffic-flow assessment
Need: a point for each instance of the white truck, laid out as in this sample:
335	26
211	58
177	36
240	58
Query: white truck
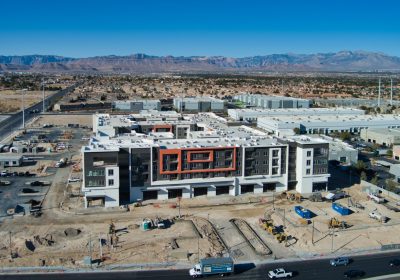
279	273
378	216
376	198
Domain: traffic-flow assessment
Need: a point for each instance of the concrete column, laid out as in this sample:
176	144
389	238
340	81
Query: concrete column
211	191
187	192
258	188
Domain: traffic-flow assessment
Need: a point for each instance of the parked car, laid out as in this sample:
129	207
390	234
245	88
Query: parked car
71	180
28	174
279	273
37	183
394	262
14	174
340	261
4	173
354	273
21	174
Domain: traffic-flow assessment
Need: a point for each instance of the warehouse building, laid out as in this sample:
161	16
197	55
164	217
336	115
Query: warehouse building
10	159
381	136
198	104
253	114
340	151
283	125
272	101
213	159
136	105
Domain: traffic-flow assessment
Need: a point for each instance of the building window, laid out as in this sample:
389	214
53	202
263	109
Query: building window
14	163
111	172
308	153
275	162
111	182
275	153
308	162
308	171
275	171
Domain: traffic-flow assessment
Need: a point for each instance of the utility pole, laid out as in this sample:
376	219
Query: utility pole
273	200
179	206
90	249
198	248
379	93
43	110
312	236
10	245
391	91
101	247
284	218
23	108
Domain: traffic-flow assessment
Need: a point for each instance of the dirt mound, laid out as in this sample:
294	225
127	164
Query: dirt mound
72	232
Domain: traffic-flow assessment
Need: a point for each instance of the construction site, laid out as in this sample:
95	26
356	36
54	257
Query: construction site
256	228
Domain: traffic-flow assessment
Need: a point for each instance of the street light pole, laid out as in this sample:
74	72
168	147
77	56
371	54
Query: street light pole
23	109
43	95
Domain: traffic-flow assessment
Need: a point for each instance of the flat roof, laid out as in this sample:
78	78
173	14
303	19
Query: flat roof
336	118
385	131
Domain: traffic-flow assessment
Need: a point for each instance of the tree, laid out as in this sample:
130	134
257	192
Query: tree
374	181
345	135
296	130
391	185
389	153
360	165
363	176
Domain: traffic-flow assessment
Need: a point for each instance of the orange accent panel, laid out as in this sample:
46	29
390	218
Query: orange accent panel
178	152
157	126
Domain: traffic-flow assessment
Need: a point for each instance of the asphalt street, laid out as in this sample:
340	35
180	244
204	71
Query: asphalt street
15	121
372	265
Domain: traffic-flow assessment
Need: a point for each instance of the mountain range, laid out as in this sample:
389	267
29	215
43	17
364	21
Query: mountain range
343	61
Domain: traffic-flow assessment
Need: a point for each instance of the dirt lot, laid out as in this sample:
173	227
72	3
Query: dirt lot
61	120
184	240
11	101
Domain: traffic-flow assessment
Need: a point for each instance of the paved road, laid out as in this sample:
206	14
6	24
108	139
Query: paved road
15	121
372	265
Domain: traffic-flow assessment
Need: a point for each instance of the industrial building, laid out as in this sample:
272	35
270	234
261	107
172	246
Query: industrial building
325	124
272	101
136	105
198	104
354	102
10	159
209	158
253	114
381	136
340	151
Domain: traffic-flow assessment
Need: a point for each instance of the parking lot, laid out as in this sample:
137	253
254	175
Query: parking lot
42	149
20	191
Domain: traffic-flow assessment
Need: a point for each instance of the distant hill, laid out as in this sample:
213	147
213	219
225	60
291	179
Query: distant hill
347	61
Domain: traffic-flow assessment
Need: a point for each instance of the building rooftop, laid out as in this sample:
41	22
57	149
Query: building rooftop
335	118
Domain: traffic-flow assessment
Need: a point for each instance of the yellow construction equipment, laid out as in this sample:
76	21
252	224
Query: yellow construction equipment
335	223
281	237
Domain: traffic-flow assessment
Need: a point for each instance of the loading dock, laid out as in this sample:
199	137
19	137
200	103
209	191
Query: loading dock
220	190
246	189
174	193
200	191
147	195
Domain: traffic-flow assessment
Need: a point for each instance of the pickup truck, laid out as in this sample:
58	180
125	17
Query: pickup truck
279	273
212	266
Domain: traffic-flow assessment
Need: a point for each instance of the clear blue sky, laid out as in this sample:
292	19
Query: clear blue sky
197	27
